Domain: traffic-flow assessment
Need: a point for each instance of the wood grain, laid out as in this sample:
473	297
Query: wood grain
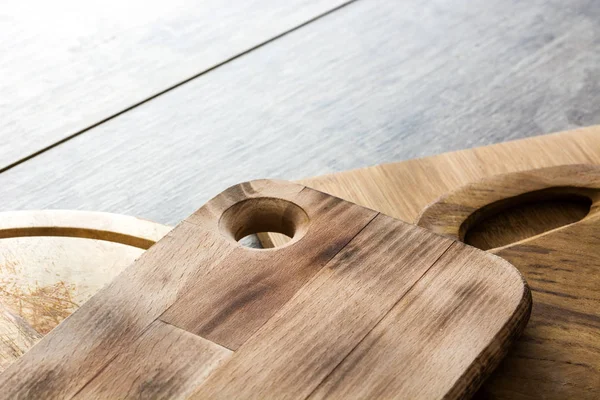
372	371
16	337
476	203
51	262
111	321
403	189
560	349
165	362
292	315
329	316
371	83
69	65
231	303
524	220
546	365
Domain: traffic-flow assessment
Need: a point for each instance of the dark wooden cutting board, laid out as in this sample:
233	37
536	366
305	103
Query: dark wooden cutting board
357	305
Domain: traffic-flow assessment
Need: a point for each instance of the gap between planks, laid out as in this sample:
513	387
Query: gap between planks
175	86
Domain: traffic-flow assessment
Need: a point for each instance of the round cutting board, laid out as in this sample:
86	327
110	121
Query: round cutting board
53	261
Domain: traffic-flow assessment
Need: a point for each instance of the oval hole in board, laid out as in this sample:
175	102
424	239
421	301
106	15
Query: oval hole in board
259	216
517	218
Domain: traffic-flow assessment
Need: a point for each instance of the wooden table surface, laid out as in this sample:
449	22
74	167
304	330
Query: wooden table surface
151	108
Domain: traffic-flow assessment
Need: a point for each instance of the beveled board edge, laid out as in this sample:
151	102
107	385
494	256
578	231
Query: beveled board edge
109	227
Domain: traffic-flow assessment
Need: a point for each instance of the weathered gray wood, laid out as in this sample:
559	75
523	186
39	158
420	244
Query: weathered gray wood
373	82
67	65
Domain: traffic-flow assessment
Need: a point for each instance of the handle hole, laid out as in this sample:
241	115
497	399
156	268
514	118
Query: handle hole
517	218
263	215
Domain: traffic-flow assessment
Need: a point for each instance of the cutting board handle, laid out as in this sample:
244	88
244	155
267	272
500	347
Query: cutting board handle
504	209
255	207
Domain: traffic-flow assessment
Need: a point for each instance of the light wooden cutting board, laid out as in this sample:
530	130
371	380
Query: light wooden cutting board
356	305
547	223
53	261
403	189
563	354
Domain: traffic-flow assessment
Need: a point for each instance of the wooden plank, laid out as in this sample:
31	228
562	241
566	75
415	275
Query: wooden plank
170	361
292	313
69	65
371	83
447	294
315	331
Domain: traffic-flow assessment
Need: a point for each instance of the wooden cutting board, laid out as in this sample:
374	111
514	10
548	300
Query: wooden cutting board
546	222
53	261
357	305
404	189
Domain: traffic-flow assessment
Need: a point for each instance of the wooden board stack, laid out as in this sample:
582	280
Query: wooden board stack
364	305
559	354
